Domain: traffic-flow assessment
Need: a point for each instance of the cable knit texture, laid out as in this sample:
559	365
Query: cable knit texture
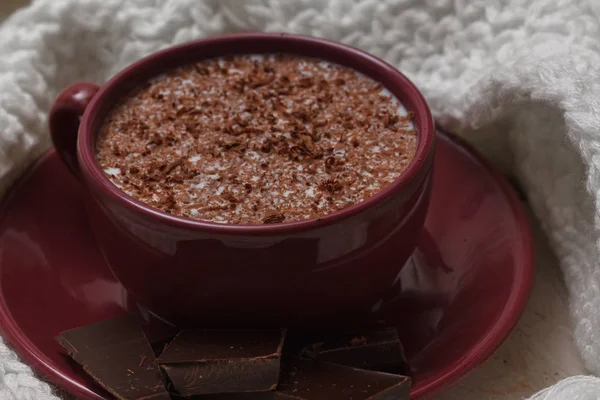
519	78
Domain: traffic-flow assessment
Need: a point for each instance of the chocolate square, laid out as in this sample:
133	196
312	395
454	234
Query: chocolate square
223	361
304	379
372	349
116	354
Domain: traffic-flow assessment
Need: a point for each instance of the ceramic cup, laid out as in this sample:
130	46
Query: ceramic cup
195	273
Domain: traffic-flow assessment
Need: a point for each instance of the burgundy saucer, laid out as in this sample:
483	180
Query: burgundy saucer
462	292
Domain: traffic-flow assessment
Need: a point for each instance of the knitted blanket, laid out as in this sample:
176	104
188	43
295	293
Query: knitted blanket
519	78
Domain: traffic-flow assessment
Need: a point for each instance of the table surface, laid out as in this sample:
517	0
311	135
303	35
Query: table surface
538	353
8	6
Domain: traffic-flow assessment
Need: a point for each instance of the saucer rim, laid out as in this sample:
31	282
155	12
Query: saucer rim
488	343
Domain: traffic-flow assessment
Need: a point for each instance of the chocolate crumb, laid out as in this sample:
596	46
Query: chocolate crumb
229	197
169	168
263	81
330	185
359	341
391	120
305	82
201	69
273	218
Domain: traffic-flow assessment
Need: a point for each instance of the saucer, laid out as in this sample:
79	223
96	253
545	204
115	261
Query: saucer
458	298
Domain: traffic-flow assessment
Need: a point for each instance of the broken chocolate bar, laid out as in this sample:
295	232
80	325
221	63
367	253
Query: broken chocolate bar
241	396
375	349
223	361
304	379
116	354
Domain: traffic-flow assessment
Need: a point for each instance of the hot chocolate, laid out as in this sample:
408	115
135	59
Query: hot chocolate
256	139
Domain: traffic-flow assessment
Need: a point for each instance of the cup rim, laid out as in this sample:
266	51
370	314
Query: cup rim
97	180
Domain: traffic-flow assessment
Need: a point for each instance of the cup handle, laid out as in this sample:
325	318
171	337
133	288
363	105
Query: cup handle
64	119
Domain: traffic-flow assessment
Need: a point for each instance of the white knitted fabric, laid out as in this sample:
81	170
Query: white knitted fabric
574	388
519	78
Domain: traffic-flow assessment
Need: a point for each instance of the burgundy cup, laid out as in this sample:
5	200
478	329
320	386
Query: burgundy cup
200	273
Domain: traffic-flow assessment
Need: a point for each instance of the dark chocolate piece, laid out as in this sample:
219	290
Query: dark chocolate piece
305	379
223	361
117	355
375	349
240	396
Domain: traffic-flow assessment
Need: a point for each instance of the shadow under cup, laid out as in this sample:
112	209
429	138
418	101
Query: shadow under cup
332	269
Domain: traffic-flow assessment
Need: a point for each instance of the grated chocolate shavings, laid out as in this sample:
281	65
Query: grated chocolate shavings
330	185
256	140
274	218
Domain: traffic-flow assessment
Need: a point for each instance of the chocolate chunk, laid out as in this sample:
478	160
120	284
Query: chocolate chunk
314	380
223	361
117	355
375	349
241	396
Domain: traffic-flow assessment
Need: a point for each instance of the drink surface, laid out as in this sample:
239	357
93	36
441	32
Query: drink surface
256	139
